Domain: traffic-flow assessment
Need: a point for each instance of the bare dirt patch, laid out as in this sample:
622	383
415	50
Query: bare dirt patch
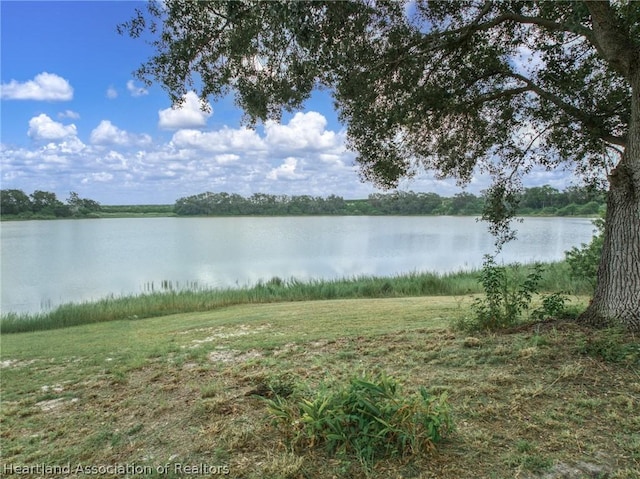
226	333
15	363
233	356
51	404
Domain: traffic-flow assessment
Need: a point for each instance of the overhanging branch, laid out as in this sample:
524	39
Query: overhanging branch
584	117
545	23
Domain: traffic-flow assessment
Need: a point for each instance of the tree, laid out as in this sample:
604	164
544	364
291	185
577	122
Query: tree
13	202
45	202
465	204
539	197
452	87
82	206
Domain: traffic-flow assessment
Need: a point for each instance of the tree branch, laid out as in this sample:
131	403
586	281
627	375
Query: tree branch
610	39
500	94
582	116
550	25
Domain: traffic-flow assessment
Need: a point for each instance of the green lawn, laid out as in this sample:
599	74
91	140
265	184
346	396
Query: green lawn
179	391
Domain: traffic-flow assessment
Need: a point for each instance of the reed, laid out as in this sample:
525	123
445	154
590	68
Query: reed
171	299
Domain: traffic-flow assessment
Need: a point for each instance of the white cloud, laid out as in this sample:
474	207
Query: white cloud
112	93
69	114
305	131
225	140
45	86
100	177
70	146
189	114
134	90
114	160
42	127
286	171
226	158
116	164
106	133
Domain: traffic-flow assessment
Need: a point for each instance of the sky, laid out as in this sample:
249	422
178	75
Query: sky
74	118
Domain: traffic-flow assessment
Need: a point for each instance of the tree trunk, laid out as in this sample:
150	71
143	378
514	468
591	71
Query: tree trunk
616	300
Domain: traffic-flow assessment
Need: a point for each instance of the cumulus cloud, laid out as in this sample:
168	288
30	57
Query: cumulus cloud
225	140
45	86
189	114
134	90
42	127
114	160
287	171
106	133
305	131
71	145
116	164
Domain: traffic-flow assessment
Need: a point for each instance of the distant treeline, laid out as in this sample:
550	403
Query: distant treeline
44	204
543	200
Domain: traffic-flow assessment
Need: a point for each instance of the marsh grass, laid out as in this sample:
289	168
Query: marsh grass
172	299
181	389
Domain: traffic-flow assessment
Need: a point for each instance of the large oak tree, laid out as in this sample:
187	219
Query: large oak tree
460	87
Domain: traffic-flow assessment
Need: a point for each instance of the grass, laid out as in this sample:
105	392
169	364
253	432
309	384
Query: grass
172	301
179	391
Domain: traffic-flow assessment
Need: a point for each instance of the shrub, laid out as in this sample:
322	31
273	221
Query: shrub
508	293
368	419
569	210
553	305
584	261
506	296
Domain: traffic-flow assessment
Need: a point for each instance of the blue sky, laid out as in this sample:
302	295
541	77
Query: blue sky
73	118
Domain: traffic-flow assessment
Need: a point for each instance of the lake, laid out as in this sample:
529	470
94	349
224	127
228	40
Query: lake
47	263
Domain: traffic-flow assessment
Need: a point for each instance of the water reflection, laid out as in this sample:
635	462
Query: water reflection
46	263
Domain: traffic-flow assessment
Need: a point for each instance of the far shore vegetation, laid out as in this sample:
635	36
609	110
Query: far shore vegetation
543	201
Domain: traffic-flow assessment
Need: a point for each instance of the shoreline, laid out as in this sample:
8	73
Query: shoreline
172	300
107	215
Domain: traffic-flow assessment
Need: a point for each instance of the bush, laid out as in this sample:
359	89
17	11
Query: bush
569	210
553	305
506	296
508	293
368	419
584	261
591	208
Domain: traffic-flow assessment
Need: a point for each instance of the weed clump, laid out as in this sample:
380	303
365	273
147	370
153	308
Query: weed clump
368	419
507	294
610	345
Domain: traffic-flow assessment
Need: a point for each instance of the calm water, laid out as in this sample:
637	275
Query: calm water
46	263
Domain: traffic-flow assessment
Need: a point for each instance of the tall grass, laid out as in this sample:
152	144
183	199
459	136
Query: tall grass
555	278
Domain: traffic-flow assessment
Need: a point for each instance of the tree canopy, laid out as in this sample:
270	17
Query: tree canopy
499	87
44	204
448	86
